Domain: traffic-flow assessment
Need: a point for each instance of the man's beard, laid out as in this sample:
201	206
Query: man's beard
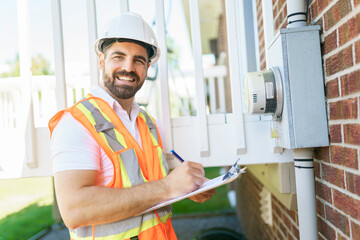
122	91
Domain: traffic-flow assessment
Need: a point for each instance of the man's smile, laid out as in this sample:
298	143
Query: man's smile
125	78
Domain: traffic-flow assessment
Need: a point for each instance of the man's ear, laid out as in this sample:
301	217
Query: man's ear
101	61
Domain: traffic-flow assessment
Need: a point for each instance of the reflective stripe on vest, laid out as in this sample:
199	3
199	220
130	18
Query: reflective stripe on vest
129	170
154	137
126	228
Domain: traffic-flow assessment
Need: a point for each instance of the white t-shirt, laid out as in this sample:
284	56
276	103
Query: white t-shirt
73	147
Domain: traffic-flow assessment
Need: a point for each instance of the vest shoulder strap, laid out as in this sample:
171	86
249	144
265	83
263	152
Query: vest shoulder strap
150	123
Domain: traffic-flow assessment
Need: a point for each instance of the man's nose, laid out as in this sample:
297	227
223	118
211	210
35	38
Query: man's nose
128	65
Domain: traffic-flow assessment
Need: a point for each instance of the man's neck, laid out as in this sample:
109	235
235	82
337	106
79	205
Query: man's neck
126	104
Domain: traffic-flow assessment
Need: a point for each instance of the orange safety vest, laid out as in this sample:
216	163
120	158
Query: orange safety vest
132	166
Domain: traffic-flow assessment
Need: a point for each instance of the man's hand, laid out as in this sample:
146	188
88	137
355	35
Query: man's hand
184	179
188	177
204	196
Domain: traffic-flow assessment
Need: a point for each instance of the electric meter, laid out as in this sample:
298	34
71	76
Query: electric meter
263	92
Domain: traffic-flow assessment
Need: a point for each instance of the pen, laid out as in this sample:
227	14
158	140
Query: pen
177	156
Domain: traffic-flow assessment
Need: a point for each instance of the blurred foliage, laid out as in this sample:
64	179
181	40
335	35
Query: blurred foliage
39	66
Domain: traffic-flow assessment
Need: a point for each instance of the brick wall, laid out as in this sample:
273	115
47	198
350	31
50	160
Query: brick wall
337	173
248	208
261	34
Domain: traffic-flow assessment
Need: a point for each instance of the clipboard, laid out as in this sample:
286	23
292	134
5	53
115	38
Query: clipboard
226	178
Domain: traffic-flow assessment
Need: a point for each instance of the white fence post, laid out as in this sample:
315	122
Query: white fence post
25	76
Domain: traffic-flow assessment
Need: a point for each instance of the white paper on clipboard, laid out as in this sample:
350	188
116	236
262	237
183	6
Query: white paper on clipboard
213	183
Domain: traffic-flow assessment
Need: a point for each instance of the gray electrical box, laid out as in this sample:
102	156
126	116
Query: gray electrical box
303	124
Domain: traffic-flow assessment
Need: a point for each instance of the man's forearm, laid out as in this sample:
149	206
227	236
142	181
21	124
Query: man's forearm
82	203
96	205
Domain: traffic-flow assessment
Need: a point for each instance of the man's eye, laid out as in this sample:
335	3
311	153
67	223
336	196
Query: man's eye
140	61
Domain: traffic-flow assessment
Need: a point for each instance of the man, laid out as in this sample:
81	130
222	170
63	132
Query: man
109	164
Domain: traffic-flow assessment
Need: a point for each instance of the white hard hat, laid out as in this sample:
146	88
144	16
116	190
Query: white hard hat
130	26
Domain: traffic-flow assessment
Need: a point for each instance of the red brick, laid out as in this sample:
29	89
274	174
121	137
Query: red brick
284	25
344	156
357	51
327	231
291	214
279	235
263	64
289	237
353	183
350	83
313	10
317	7
332	89
339	61
320	23
330	42
338	220
286	222
283	14
323	191
344	109
347	204
283	228
322	153
320	208
352	133
261	42
317	169
335	133
277	23
275	11
320	237
276	210
336	13
258	4
341	237
281	4
333	175
295	231
349	30
355	229
275	219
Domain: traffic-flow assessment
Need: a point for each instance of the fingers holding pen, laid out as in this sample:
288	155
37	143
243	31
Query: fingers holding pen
195	171
185	178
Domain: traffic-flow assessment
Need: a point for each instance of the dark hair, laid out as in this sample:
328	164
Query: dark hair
106	44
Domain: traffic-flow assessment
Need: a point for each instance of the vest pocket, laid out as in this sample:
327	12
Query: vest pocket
129	167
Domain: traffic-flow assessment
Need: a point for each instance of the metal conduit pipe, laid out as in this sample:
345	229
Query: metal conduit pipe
305	191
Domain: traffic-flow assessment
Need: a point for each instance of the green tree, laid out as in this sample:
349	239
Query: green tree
40	66
14	66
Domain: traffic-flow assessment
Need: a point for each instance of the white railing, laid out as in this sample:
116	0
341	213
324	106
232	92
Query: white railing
44	99
215	78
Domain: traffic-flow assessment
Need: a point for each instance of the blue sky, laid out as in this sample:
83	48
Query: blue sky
75	28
